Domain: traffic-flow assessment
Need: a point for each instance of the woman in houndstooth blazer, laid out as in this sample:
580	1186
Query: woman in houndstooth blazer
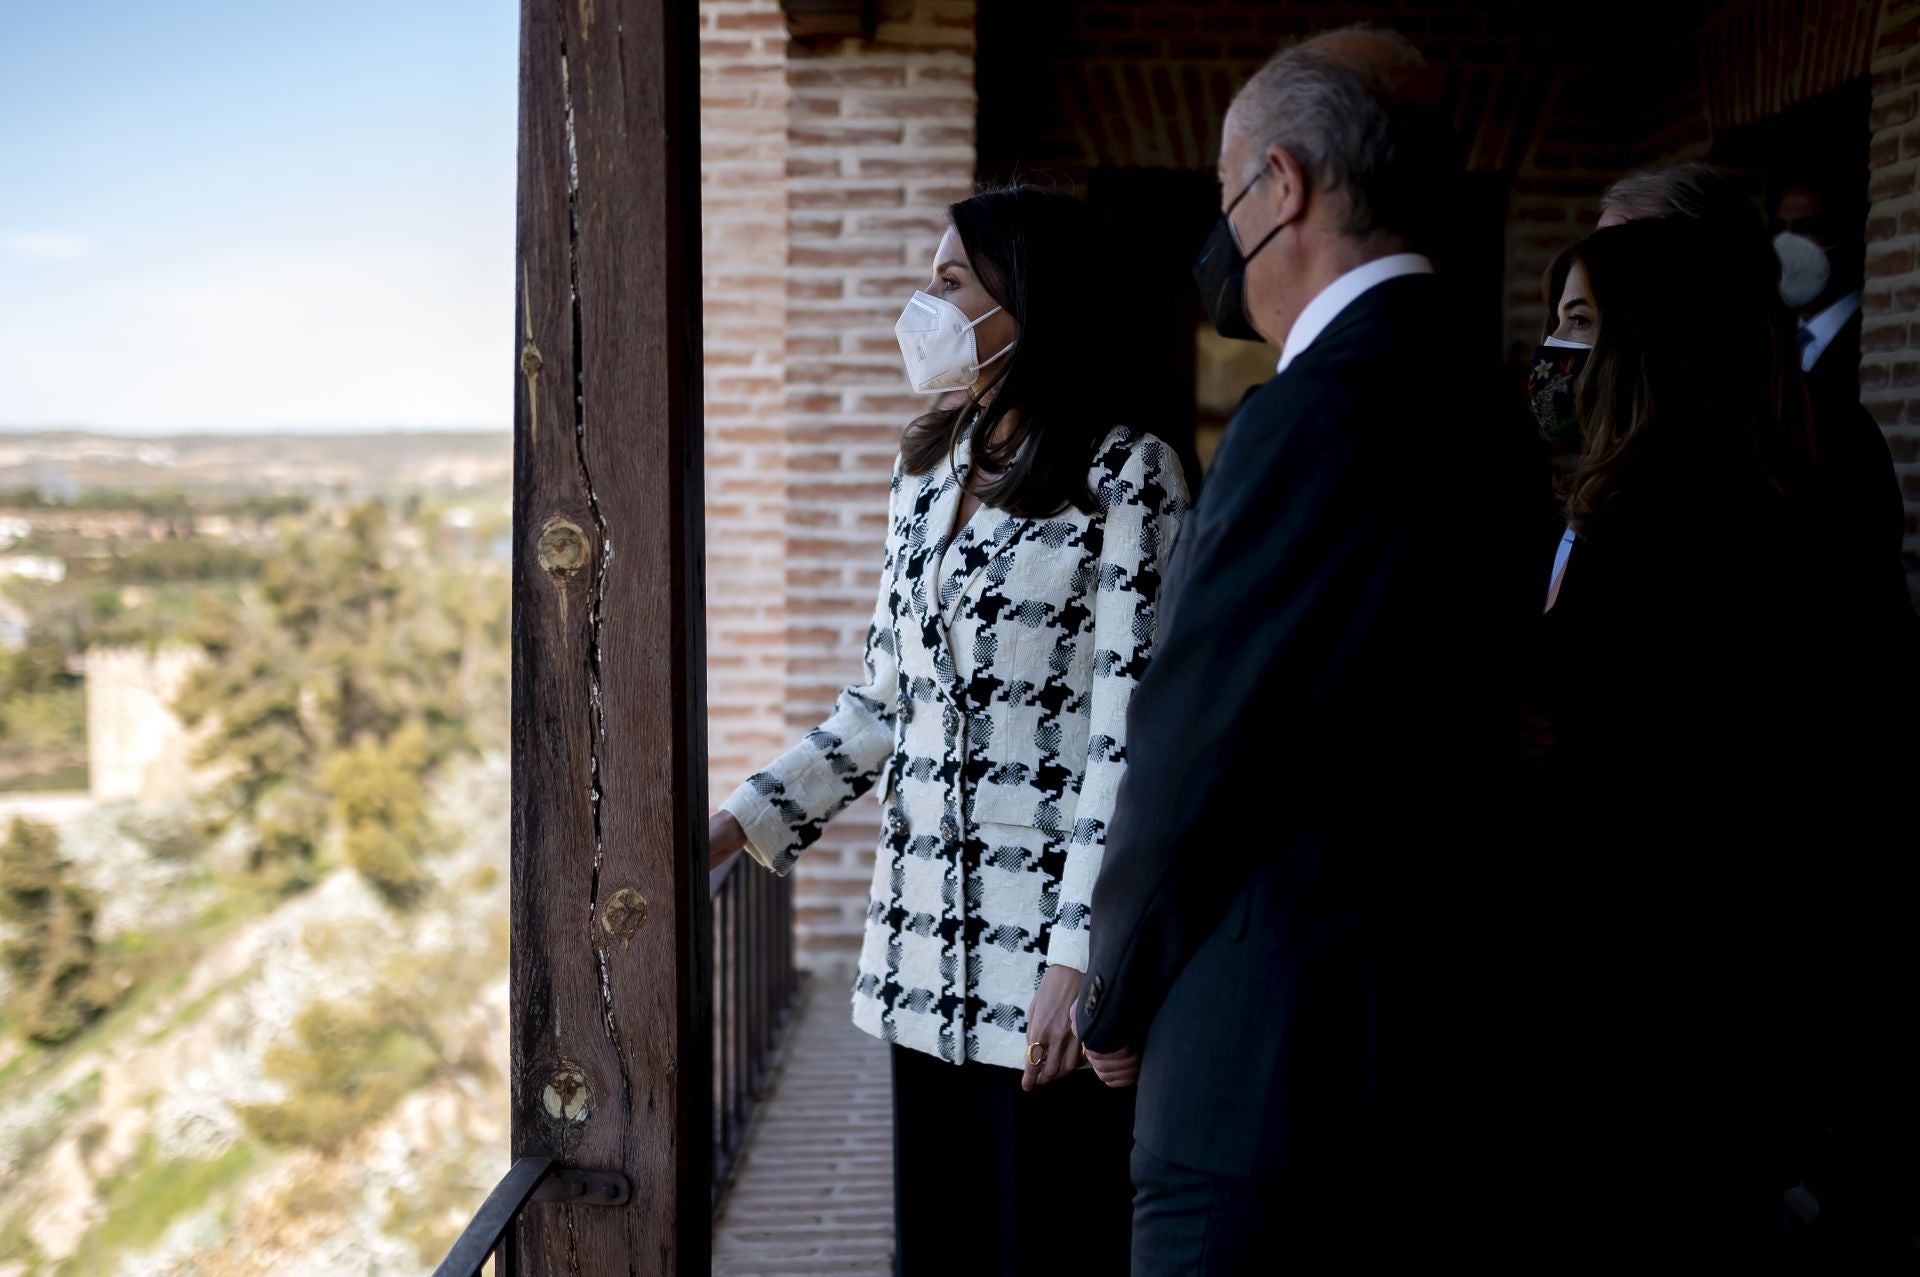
1026	540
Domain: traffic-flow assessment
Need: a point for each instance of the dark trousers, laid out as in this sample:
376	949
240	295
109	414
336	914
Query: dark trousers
989	1179
1189	1223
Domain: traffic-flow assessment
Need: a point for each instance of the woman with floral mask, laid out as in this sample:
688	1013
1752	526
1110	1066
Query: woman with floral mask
1027	538
1682	669
1561	356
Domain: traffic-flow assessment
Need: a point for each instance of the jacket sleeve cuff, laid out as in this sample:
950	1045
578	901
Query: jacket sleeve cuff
766	832
1069	948
1090	1017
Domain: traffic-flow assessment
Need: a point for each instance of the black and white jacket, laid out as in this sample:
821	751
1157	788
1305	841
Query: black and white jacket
992	723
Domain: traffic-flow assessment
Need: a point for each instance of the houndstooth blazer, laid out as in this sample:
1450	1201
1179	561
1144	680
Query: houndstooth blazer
992	723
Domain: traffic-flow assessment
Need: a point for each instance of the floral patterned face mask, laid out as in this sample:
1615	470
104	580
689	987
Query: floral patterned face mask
1556	367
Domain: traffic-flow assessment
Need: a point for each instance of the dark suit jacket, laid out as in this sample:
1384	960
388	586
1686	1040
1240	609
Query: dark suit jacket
1687	885
1296	889
1862	516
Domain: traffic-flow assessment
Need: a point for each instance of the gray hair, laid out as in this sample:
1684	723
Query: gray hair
1340	122
1697	192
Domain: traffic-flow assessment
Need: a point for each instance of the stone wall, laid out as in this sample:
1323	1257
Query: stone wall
137	750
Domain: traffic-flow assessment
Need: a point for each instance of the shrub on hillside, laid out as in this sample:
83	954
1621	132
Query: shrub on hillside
380	803
58	987
347	1066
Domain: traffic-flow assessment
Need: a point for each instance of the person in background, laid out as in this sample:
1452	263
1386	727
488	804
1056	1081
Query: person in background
1860	511
1691	942
1027	538
1821	271
1858	1183
1299	938
1820	279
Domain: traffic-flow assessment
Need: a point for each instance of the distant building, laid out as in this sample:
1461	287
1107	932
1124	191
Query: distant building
38	567
137	748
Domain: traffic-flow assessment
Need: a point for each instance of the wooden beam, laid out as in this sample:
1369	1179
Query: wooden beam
611	956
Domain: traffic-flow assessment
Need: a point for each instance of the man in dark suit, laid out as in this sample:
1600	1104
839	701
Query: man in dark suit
1863	511
1862	1172
1297	935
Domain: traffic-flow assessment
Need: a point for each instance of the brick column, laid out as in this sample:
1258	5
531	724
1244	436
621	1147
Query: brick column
743	206
881	140
1890	340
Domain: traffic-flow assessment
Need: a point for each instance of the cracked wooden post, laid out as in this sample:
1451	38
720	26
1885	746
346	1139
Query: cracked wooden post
611	921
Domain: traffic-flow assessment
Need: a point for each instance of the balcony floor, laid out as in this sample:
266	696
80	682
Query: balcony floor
814	1188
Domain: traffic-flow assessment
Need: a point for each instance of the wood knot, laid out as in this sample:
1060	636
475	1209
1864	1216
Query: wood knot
530	360
623	914
562	551
563	547
565	1097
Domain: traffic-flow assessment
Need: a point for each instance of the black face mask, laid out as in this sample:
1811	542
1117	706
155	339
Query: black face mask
1221	273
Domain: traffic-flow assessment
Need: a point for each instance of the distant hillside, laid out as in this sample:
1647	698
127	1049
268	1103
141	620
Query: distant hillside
221	464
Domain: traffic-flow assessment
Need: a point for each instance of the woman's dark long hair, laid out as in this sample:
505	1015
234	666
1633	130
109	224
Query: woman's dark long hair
1036	253
1693	391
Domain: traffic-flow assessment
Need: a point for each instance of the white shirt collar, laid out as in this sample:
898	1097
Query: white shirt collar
1342	293
1825	326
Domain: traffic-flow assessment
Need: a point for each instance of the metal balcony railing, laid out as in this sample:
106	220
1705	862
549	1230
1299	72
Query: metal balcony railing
754	987
754	991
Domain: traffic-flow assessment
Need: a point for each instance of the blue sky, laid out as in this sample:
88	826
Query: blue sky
252	216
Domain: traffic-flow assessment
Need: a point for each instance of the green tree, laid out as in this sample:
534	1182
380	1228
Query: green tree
49	946
183	560
380	803
347	642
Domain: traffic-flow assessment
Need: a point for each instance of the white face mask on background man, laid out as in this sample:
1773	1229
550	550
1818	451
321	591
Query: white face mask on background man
936	341
1804	269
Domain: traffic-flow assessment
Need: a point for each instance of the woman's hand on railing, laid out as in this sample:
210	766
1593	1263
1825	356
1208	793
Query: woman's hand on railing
724	837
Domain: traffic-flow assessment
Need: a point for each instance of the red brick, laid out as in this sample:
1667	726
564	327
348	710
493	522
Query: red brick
1892	110
908	166
838	135
895	106
768	21
944	135
849	197
857	76
1897	261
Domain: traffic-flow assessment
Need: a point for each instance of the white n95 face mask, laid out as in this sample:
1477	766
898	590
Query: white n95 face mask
1804	269
936	341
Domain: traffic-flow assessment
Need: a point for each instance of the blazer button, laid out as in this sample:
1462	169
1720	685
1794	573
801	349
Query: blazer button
1093	995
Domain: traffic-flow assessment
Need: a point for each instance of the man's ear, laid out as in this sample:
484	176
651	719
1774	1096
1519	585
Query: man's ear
1289	180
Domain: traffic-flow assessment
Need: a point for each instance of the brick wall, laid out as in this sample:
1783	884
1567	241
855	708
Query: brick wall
1890	362
743	206
880	142
1590	131
826	173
